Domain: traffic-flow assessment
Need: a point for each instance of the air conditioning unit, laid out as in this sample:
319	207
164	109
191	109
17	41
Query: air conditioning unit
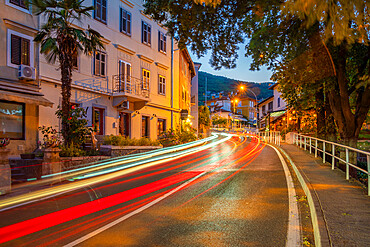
26	72
125	105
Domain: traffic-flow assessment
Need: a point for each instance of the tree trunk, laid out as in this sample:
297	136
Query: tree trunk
66	71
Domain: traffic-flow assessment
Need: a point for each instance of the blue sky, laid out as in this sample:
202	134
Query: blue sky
241	72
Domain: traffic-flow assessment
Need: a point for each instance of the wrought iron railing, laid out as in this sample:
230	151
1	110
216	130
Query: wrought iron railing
95	84
130	85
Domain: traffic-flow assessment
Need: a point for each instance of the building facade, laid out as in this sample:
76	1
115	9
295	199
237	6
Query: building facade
20	96
134	86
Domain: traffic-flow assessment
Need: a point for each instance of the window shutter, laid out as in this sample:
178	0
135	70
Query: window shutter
120	20
104	10
164	43
142	32
15	50
159	41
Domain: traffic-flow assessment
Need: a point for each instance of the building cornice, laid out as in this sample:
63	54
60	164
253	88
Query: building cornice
144	58
124	49
162	66
20	25
128	3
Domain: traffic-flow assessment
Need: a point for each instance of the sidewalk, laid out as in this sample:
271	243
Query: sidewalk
342	207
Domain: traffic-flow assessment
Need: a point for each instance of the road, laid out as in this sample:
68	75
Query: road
232	192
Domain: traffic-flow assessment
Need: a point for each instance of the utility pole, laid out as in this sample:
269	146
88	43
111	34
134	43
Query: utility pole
205	94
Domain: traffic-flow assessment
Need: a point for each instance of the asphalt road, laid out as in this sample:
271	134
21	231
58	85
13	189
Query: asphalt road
231	194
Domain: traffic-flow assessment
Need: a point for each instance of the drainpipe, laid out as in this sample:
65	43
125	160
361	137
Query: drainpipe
172	82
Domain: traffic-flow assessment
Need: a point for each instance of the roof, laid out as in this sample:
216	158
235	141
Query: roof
191	63
271	97
273	85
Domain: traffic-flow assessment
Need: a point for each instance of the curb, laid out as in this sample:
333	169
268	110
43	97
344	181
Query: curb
315	225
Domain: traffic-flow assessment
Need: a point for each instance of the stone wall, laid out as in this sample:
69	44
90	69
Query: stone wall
115	151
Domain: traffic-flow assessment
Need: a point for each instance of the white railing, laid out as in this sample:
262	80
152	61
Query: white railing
270	137
309	143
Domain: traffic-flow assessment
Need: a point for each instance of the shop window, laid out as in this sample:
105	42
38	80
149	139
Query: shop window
161	126
12	119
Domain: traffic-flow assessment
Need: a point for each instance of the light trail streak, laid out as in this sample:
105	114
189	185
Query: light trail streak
144	171
42	222
23	228
34	196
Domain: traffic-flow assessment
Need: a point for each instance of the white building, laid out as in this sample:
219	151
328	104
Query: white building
132	87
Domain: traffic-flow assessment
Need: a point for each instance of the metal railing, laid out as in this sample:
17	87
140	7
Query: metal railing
130	85
270	137
310	143
95	84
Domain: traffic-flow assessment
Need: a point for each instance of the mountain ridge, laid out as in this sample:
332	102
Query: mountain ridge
217	84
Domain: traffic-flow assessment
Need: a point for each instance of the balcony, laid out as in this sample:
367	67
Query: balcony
131	88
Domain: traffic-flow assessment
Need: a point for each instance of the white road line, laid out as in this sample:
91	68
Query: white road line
294	229
125	217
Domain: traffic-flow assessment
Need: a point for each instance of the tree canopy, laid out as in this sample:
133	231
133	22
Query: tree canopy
316	47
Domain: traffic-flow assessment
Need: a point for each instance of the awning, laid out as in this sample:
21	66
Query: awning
25	98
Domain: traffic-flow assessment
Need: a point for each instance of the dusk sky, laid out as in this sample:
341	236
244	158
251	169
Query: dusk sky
241	72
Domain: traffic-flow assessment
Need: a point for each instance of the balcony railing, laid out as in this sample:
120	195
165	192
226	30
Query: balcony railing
130	85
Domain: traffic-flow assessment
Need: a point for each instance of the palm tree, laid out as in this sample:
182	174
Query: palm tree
61	40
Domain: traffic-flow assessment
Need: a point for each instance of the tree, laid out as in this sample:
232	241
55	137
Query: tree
61	41
204	120
335	32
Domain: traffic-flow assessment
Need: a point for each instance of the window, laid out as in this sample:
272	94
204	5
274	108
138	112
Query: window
125	24
145	126
162	42
20	3
12	120
270	106
75	61
161	126
278	103
263	109
146	79
20	50
162	85
100	12
100	61
145	33
98	121
125	77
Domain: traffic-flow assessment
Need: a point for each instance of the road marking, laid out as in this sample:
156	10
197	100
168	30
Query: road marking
314	220
294	229
97	231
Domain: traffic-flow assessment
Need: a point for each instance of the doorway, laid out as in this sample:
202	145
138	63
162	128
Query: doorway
124	124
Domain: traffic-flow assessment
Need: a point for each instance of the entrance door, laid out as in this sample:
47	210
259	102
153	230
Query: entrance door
124	124
125	77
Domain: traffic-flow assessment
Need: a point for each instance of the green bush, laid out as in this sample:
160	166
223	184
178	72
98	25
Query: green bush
124	141
175	137
72	151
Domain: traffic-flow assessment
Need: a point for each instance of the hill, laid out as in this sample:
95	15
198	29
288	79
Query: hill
217	84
